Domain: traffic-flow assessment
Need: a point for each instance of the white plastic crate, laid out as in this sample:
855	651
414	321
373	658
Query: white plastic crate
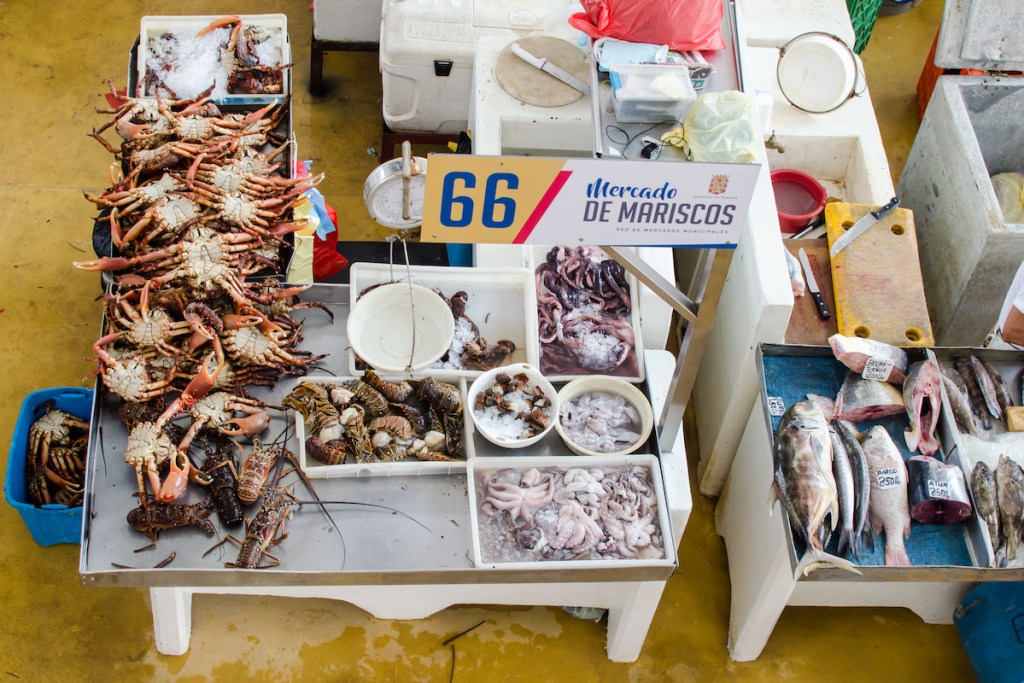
502	302
152	27
480	468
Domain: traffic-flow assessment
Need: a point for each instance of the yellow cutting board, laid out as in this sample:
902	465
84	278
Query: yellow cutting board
877	278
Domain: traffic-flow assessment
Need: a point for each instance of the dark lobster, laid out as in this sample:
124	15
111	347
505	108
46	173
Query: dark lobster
220	467
154	517
263	531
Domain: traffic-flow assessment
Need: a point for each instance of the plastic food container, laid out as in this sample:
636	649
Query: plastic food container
50	524
610	385
798	198
487	379
651	93
400	326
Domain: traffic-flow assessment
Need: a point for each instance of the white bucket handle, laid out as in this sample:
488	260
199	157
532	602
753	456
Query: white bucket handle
859	76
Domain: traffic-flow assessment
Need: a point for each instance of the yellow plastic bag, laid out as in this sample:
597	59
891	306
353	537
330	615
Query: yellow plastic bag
1009	189
720	128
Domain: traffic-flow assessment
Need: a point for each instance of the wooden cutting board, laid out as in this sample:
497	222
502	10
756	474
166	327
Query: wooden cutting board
877	278
805	325
529	84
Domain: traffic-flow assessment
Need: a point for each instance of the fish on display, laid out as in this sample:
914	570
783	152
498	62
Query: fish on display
823	403
988	388
803	478
842	472
938	492
888	503
1002	393
983	486
1010	494
855	353
959	404
966	372
866	399
861	486
923	397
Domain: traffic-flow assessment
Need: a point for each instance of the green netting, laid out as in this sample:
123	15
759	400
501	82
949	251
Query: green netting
863	14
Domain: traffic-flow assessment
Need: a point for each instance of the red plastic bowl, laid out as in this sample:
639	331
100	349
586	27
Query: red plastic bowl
798	198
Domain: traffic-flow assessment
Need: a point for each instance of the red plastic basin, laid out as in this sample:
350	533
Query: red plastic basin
799	198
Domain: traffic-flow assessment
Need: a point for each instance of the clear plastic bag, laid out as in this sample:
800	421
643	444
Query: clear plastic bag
1009	189
720	128
680	24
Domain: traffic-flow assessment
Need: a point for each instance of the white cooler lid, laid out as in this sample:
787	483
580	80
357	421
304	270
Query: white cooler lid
982	34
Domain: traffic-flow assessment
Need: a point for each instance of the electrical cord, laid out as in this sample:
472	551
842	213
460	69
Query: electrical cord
626	141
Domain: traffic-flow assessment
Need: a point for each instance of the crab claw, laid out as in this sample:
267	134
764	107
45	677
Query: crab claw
105	263
255	423
233	321
222	22
284	228
200	386
177	478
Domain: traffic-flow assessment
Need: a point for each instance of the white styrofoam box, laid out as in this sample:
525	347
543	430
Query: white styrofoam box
418	35
152	27
971	130
538	253
502	302
347	21
773	24
480	468
317	470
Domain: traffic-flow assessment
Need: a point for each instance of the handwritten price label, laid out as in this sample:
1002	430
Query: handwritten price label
939	489
877	368
776	406
888	478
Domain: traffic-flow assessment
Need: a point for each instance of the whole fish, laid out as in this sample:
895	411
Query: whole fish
1010	494
938	492
959	404
1002	393
888	506
986	500
803	478
966	372
861	486
988	388
923	398
855	352
842	472
865	399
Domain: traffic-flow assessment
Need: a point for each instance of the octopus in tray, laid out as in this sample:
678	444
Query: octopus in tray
583	309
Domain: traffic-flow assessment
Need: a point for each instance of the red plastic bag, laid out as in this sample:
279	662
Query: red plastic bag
326	259
680	24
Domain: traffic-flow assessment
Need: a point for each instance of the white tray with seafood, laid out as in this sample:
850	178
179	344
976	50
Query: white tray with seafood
558	512
498	312
588	317
172	58
392	426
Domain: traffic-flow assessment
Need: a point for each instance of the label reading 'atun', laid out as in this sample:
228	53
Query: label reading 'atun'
939	489
888	478
877	368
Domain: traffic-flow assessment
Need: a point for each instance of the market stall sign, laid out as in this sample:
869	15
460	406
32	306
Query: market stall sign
535	200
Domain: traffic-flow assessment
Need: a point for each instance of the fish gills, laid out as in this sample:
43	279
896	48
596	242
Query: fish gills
888	507
1010	494
803	478
983	486
923	397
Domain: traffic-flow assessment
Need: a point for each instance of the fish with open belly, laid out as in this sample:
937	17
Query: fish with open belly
923	395
888	507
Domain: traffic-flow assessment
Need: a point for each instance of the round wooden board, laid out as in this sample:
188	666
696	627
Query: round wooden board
529	84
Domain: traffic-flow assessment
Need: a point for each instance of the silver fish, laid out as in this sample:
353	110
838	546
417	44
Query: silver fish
988	388
923	398
983	486
865	399
803	473
961	408
855	352
1002	393
1010	494
861	486
842	472
888	508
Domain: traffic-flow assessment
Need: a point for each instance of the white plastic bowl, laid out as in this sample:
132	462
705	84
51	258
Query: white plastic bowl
817	72
380	327
611	385
485	380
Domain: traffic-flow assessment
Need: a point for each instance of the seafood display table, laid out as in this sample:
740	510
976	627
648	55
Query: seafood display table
405	562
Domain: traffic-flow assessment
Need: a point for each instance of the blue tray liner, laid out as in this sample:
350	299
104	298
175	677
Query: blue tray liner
791	378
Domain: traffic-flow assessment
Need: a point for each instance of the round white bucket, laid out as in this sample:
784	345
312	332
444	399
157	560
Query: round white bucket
383	322
817	72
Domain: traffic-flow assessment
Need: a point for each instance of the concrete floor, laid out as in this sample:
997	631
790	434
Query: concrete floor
55	61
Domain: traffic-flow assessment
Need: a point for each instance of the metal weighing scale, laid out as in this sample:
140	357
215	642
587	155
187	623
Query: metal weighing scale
394	191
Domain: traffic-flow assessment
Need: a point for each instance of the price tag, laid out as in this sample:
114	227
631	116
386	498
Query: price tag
776	406
877	368
888	478
939	489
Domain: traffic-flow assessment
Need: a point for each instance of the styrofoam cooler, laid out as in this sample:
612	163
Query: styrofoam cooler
426	54
970	131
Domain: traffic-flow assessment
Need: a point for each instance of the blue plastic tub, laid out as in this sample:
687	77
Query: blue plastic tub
50	524
990	621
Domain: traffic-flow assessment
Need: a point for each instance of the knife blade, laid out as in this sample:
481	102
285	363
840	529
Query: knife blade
546	66
812	285
862	225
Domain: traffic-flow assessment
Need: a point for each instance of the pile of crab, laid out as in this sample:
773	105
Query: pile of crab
198	209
